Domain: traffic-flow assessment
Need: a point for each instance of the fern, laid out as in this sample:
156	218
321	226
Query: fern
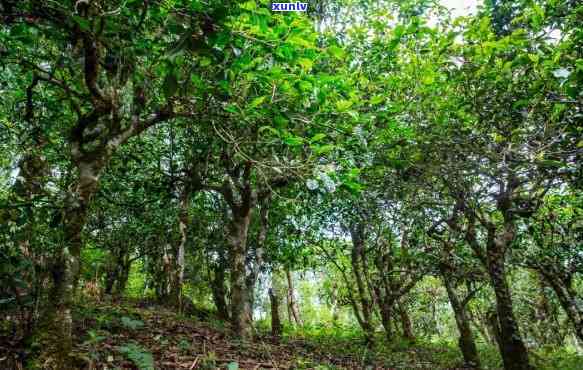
138	355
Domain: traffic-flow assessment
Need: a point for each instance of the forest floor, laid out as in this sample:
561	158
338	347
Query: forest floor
144	336
133	336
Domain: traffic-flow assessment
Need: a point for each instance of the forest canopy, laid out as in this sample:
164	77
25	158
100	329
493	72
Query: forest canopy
366	184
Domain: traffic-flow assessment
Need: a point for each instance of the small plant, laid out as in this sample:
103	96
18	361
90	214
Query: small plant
184	346
104	320
130	323
138	355
208	362
92	341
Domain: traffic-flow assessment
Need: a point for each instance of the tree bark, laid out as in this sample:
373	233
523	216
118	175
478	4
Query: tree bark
406	323
117	270
177	273
499	239
238	229
513	350
357	260
292	304
493	327
55	331
466	340
256	256
218	289
386	319
275	300
31	182
567	297
219	292
90	154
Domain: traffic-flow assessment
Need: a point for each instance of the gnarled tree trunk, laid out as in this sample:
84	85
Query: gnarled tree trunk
406	323
512	348
498	240
466	340
238	229
54	332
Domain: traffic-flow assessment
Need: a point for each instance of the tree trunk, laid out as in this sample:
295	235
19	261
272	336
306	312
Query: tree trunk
219	291
122	279
55	331
512	348
357	260
406	323
256	259
493	327
163	282
109	281
275	299
386	321
117	271
238	229
30	183
466	340
568	299
484	331
335	308
177	275
290	316
292	305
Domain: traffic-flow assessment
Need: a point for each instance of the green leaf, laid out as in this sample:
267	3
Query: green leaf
317	137
318	150
353	186
232	108
280	121
249	5
205	62
306	64
305	86
293	140
270	129
300	41
256	102
428	79
83	23
233	366
549	163
335	52
377	99
343	105
353	172
285	51
197	81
